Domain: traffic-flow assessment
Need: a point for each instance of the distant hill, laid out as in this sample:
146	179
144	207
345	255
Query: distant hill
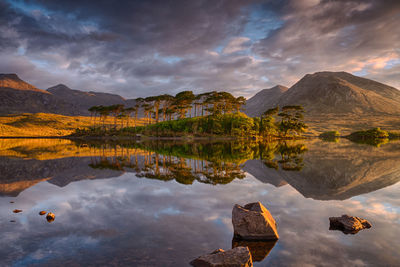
334	93
84	100
263	100
17	96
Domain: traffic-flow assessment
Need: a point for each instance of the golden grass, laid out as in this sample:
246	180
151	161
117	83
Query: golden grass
351	123
45	124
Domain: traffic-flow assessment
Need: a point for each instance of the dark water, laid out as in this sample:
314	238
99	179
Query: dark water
165	203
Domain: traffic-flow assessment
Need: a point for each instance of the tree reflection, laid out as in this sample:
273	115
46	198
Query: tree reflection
209	163
287	156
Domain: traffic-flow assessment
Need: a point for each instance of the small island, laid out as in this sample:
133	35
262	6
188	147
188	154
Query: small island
212	114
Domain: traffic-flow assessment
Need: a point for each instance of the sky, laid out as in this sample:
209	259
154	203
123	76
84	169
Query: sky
142	48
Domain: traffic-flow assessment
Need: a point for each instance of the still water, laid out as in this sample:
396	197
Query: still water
164	203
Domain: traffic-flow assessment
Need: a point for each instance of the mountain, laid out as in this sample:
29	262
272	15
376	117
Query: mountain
263	100
14	82
335	93
84	100
17	96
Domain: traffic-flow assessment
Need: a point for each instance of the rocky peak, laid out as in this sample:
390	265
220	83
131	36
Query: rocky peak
10	76
12	81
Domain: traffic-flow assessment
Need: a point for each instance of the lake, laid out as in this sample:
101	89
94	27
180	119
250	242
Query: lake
164	203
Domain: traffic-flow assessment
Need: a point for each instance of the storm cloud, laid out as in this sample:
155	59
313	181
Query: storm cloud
137	48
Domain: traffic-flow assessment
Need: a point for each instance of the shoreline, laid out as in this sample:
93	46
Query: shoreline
222	138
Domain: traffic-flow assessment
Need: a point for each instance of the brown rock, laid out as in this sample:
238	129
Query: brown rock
50	217
42	212
236	257
253	222
259	250
348	224
17	211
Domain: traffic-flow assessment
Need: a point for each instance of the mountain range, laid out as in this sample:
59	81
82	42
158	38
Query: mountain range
18	96
320	93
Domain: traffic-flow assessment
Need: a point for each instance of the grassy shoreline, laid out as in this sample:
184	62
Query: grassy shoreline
53	126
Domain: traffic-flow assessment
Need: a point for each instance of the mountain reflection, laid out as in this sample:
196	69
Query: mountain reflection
316	169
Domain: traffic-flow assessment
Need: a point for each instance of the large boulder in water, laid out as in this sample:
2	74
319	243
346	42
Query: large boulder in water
236	257
253	222
348	224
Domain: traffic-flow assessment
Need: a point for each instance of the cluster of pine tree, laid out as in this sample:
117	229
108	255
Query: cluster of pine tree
212	113
167	107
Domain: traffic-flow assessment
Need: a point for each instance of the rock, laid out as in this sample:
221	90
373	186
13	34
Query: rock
348	224
259	250
17	211
236	257
50	217
253	222
42	212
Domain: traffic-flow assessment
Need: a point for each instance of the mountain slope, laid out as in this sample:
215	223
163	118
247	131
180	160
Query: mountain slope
84	100
337	93
17	96
341	92
14	82
263	100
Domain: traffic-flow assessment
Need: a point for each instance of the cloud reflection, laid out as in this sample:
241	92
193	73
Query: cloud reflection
145	225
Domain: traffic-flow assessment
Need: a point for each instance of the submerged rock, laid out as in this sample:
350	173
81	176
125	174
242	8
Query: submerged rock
50	217
253	222
259	250
42	212
17	211
348	224
236	257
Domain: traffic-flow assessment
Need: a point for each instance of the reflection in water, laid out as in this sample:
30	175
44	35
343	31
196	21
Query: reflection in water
213	163
290	157
377	142
102	206
167	167
316	169
259	250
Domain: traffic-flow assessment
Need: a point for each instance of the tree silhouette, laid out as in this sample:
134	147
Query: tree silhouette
183	102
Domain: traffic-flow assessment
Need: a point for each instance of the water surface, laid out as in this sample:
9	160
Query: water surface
165	203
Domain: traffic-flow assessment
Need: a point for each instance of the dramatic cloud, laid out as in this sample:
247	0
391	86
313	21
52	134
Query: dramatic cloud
136	48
